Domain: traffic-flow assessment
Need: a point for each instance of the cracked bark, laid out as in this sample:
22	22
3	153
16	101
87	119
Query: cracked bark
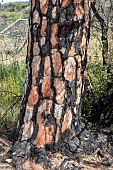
55	74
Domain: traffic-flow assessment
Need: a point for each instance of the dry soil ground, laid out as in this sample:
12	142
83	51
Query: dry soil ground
87	162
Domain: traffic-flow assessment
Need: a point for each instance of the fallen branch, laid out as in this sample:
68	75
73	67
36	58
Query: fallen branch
14	23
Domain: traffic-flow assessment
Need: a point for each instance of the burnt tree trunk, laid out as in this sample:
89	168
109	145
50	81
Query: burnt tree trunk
50	112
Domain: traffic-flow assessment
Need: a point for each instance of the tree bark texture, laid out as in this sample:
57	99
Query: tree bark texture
59	31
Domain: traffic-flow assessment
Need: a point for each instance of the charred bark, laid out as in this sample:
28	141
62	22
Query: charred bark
50	113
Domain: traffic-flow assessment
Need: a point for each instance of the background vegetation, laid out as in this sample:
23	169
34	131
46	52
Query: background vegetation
11	88
12	64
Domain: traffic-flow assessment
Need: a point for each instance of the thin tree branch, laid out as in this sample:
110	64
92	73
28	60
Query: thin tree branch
100	19
14	23
1	1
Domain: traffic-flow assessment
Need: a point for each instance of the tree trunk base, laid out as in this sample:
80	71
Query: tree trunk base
66	154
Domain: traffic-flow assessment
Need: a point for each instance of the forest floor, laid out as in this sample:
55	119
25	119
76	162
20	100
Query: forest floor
86	162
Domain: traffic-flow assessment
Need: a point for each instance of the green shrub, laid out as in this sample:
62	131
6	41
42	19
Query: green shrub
14	6
11	15
11	87
99	81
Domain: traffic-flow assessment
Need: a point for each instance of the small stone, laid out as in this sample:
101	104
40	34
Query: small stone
107	163
88	148
72	147
101	153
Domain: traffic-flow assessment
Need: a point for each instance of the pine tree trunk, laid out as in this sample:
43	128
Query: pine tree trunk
55	66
